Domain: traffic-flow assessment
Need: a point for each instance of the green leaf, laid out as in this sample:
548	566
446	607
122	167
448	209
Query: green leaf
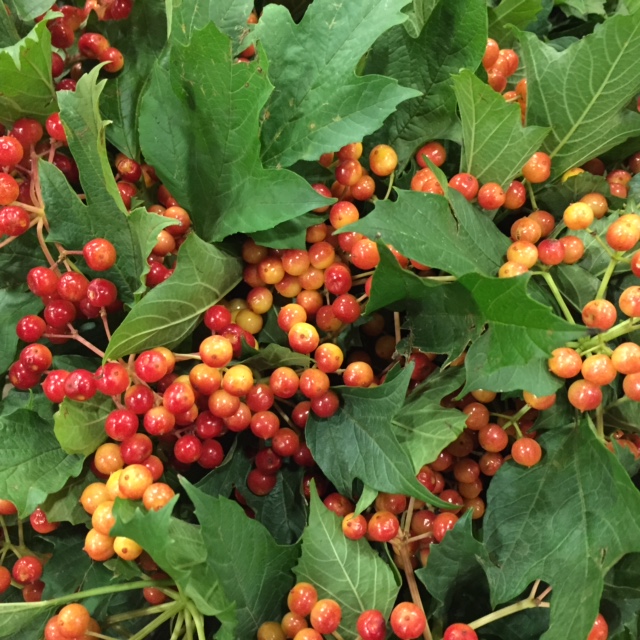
319	104
255	572
30	9
26	85
596	118
62	575
347	571
495	145
576	284
455	36
455	567
621	589
512	353
442	317
582	8
170	311
230	16
517	13
34	465
141	39
79	426
8	32
273	356
177	548
623	415
283	511
18	257
18	618
589	535
64	505
417	15
287	235
15	305
104	216
424	427
231	473
205	144
357	441
421	226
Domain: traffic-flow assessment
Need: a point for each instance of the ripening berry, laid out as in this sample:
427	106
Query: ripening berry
371	625
302	598
303	337
526	451
526	229
546	221
573	249
565	362
599	369
551	252
515	196
629	302
523	252
584	395
600	629
491	196
466	184
578	215
383	160
540	403
599	314
492	51
126	548
626	358
408	621
597	202
434	151
623	234
631	386
99	254
383	526
459	631
325	616
538	168
73	620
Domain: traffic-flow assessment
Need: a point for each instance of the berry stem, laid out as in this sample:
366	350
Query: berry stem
413	587
600	422
43	245
93	634
602	243
5	531
391	179
621	329
522	605
548	278
396	326
177	627
105	323
513	420
20	534
198	620
407	518
137	613
337	636
611	267
159	621
532	197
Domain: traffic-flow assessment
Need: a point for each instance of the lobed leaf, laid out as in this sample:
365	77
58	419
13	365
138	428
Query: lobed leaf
15	305
495	145
347	571
582	92
204	142
26	85
170	311
453	37
319	104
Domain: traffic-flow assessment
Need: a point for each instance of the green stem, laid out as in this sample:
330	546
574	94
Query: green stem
628	326
441	278
177	628
20	534
548	278
188	621
602	243
523	605
137	613
391	179
175	608
90	593
5	531
611	267
532	197
513	420
198	620
600	422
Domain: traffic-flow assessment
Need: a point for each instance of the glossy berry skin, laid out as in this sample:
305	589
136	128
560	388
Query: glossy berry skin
629	302
354	527
459	631
383	526
325	616
27	570
578	215
599	314
491	196
40	523
55	129
5	579
565	362
73	620
600	629
443	522
407	621
538	168
302	598
9	189
551	252
599	369
526	451
99	254
434	151
371	625
14	221
11	151
80	385
626	358
466	184
584	395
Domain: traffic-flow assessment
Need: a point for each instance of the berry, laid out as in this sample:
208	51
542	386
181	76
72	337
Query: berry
629	302
383	160
578	215
526	451
600	629
157	495
434	151
11	151
459	631
599	369
551	252
150	366
565	362
354	526
443	522
584	395
325	616
371	625
99	254
55	128
491	196
40	523
408	621
80	385
626	358
302	598
383	526
27	570
466	184
14	221
9	189
538	168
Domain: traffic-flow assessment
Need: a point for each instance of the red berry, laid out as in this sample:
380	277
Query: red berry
459	631
302	598
14	221
444	522
11	151
600	629
584	395
538	168
80	385
99	254
30	328
55	129
408	621
9	189
40	523
526	451
383	526
325	616
491	196
27	570
371	625
53	385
